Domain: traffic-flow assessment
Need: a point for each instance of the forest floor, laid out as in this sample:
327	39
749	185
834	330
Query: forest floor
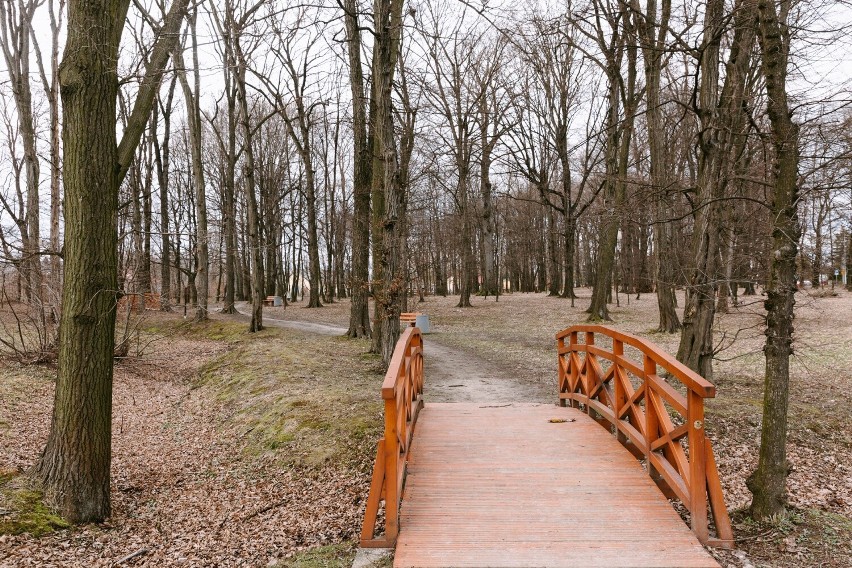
231	449
516	335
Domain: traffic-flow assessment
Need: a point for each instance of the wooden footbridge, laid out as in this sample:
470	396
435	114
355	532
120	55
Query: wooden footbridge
592	482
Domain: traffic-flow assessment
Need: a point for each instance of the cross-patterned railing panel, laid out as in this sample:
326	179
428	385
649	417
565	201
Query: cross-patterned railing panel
402	392
649	415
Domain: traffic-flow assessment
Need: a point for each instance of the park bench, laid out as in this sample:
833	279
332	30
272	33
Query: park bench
409	318
269	301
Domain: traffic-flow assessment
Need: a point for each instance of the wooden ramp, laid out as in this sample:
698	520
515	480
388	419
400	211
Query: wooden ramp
505	486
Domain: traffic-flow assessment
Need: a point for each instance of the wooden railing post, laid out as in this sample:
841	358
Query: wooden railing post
391	470
618	388
697	466
575	372
652	421
590	340
560	346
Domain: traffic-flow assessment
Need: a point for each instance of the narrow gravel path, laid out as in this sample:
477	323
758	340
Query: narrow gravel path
452	375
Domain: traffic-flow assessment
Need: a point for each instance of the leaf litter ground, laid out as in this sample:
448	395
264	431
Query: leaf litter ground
232	450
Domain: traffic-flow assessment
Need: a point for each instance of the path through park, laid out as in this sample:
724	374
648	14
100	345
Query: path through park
454	375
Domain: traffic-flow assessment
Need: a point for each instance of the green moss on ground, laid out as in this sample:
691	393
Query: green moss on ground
214	329
307	399
329	556
809	537
22	509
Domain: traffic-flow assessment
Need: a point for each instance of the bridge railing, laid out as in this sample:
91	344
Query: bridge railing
659	422
402	392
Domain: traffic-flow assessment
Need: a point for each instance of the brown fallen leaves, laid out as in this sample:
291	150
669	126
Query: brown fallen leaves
183	488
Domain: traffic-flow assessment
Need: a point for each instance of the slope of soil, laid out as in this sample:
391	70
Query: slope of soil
228	450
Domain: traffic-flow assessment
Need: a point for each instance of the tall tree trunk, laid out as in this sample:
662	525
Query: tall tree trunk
726	286
230	207
849	261
722	122
193	112
135	286
666	273
144	272
162	156
75	465
467	264
653	36
569	236
255	252
388	18
313	230
76	461
617	148
489	222
767	483
55	156
551	248
377	198
15	34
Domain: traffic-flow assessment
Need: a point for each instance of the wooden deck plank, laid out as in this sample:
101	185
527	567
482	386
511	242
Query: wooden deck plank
502	486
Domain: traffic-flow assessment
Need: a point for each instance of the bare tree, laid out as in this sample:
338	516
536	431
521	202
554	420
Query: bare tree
359	314
722	122
15	32
615	41
294	52
75	465
451	88
768	482
196	138
387	16
231	28
162	157
653	26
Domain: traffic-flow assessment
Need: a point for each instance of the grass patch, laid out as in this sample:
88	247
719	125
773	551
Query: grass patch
330	556
213	329
308	399
811	537
22	509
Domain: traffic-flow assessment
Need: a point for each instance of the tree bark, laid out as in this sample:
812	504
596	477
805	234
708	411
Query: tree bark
228	146
388	18
255	252
722	121
467	264
75	465
162	157
617	150
193	112
653	34
55	156
488	118
849	262
767	483
16	53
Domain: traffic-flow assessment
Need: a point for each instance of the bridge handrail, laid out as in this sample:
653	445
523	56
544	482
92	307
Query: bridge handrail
641	421
402	392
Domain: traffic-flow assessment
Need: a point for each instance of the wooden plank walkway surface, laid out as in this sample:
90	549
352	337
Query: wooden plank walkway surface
501	485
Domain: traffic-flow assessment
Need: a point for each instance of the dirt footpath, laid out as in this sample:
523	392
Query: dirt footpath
451	374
